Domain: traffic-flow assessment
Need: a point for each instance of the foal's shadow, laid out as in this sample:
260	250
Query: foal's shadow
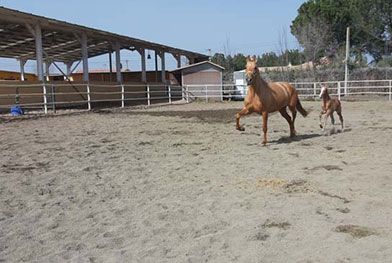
297	138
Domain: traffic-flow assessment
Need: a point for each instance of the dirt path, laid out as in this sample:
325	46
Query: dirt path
180	184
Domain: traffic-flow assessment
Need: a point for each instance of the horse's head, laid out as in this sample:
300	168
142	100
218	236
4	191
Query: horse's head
323	90
251	71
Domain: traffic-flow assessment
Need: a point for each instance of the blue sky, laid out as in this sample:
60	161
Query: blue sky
226	26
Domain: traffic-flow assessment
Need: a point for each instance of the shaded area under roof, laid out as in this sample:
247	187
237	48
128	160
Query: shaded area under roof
60	40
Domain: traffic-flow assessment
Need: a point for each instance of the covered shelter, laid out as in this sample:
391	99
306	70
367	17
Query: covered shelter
202	79
48	41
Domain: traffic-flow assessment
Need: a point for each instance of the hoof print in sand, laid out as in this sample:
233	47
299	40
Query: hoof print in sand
259	236
281	225
293	186
355	231
343	210
324	167
297	186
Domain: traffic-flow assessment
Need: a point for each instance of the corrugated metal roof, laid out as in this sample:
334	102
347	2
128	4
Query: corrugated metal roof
60	42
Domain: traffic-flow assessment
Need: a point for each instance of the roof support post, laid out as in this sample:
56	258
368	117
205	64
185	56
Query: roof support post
156	65
110	66
70	70
83	41
39	52
69	67
178	58
22	63
191	60
163	70
47	67
118	63
142	53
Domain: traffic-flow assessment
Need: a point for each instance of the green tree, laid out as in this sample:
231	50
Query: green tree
239	62
320	26
269	59
219	59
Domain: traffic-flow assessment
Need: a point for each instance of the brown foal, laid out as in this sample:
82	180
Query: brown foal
329	106
265	98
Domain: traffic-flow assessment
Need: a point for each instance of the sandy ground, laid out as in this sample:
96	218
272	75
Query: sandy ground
180	184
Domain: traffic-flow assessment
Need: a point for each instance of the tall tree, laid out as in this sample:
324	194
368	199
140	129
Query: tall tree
219	59
239	62
269	59
320	26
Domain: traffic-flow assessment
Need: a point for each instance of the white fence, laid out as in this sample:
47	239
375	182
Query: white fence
49	96
371	88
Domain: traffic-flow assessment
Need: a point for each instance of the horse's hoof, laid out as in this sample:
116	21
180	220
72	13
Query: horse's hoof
321	126
241	128
264	143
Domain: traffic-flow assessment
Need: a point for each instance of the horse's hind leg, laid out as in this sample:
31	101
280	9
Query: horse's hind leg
241	113
294	113
332	119
265	120
339	112
285	115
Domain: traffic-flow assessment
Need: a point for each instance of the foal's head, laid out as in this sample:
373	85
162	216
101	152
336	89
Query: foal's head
251	71
324	90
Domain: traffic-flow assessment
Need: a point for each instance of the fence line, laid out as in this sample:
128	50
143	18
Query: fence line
305	89
50	95
46	96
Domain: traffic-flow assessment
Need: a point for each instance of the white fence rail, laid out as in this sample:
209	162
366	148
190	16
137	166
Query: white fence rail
371	88
49	96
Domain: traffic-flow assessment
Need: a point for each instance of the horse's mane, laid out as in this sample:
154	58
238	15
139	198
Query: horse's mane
263	82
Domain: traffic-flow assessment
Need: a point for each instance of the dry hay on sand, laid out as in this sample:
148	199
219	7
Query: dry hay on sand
180	184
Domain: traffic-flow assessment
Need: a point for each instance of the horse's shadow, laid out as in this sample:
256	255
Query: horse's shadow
297	138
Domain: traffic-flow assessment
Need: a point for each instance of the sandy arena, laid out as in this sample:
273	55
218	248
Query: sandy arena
179	184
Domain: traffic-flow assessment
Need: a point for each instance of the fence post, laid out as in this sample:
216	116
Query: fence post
148	96
169	90
339	87
345	88
390	90
187	94
314	90
53	99
88	97
122	96
206	93
45	99
221	91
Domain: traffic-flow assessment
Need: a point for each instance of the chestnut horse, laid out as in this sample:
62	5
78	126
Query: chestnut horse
265	98
329	106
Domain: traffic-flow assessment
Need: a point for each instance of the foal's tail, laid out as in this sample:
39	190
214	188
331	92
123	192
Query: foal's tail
300	108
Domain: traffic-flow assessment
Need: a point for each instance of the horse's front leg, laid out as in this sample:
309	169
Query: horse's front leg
265	120
327	114
243	112
320	116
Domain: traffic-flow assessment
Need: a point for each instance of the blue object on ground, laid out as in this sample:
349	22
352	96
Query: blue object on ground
16	110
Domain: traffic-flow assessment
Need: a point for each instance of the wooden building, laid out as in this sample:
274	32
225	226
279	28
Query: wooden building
12	75
203	79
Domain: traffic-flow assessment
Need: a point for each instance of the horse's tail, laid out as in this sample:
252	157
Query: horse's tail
300	108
